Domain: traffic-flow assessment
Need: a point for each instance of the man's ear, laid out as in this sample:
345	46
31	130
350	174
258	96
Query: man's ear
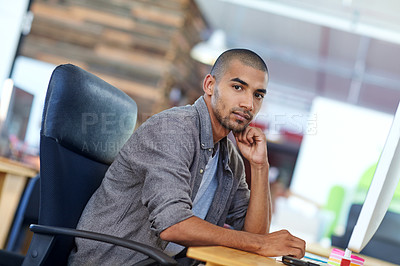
208	85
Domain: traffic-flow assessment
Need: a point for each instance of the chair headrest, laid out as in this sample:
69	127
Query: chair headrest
86	114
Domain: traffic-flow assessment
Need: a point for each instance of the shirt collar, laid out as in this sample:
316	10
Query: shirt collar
206	135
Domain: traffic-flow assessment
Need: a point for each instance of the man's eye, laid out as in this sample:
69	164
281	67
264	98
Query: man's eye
237	87
259	96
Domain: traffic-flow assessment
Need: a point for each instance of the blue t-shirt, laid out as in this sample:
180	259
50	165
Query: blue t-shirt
203	199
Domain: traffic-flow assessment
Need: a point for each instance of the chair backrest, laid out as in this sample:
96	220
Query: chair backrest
85	123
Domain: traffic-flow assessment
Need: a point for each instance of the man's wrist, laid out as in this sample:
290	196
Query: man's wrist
260	166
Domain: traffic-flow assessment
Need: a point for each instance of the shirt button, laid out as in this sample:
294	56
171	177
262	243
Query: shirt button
202	145
201	170
210	149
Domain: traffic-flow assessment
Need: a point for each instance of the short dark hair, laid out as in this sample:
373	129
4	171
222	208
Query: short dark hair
245	56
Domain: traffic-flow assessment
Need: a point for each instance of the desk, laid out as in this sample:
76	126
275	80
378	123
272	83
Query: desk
216	256
13	178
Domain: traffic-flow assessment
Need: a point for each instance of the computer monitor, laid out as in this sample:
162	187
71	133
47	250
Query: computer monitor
381	190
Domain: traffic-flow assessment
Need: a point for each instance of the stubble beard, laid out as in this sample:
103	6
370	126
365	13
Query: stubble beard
226	122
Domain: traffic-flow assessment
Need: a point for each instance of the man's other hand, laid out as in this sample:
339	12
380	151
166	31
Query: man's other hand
252	143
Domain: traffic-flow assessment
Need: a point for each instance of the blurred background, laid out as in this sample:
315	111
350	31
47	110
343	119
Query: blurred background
334	81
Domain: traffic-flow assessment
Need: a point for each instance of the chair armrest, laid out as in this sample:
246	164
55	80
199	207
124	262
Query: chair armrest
152	252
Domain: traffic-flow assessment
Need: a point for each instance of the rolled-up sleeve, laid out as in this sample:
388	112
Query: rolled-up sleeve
165	153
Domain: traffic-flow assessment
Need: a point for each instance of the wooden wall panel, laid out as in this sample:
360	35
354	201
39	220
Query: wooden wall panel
142	46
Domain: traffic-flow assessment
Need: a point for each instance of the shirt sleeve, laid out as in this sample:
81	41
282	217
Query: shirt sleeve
164	153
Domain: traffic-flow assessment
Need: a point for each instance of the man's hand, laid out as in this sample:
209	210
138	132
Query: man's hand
281	243
252	143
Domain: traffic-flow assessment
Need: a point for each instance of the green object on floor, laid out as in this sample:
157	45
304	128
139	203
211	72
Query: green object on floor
334	204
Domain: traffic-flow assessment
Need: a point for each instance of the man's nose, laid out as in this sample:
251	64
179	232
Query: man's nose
247	102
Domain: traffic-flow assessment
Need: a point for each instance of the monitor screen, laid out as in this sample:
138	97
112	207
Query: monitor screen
381	190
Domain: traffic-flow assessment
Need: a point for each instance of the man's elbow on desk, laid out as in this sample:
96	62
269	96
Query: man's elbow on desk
168	234
192	232
179	231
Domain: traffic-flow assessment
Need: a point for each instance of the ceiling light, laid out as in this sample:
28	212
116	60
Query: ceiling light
207	52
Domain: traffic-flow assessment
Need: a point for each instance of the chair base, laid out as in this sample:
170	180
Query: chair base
8	258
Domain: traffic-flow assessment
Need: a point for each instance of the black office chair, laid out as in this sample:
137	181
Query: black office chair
85	123
26	214
384	245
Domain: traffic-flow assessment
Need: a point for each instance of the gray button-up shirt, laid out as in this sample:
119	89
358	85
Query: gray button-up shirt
153	181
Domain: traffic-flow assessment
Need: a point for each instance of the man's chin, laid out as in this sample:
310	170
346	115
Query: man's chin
236	127
239	129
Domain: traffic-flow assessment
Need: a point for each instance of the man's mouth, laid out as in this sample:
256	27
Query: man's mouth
242	116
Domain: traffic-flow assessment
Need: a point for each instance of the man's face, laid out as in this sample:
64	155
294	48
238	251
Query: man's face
238	95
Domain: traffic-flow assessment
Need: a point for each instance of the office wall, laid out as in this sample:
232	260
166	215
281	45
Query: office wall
11	18
346	141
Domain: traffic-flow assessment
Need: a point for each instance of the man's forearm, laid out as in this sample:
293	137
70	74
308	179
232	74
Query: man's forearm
258	217
197	232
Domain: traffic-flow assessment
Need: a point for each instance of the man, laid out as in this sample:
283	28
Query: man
178	179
